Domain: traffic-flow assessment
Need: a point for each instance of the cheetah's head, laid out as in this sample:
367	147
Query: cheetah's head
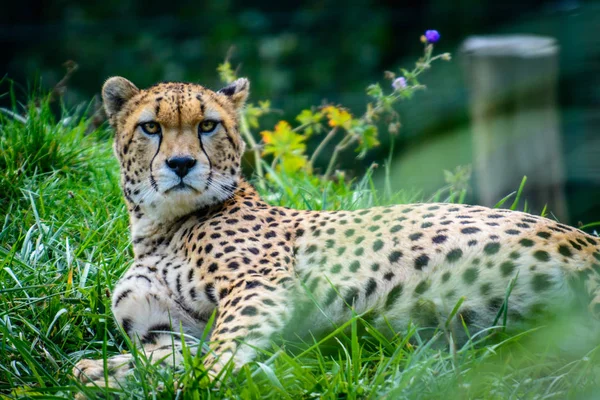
178	144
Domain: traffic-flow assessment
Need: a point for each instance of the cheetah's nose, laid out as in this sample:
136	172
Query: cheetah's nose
181	165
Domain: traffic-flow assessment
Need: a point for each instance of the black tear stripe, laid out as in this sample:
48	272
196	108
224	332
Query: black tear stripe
230	138
224	106
152	180
210	169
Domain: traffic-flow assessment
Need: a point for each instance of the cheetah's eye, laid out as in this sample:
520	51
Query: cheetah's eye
150	128
207	126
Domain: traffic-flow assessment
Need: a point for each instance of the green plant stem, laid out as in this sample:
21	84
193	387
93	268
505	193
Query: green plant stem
350	138
368	117
590	225
14	115
321	146
301	127
344	143
274	162
254	148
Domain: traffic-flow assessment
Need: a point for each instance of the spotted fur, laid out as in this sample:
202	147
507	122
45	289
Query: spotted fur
204	240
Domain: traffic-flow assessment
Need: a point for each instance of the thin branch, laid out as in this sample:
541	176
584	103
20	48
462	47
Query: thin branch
344	143
321	146
254	148
274	162
300	127
350	139
60	88
13	115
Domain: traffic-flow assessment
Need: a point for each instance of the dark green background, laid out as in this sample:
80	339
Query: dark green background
299	53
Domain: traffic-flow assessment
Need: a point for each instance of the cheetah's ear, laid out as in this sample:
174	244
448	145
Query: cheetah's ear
115	93
237	91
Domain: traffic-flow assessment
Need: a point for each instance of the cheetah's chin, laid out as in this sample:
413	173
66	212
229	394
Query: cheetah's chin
177	203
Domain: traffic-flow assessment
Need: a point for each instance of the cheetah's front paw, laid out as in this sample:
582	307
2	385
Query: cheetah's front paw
87	371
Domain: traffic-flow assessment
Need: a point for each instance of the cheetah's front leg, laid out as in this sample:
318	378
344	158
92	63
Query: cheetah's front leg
152	318
255	308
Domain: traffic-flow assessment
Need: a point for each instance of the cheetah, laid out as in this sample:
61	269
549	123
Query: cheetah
206	244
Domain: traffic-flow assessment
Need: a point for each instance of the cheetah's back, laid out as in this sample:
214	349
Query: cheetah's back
415	262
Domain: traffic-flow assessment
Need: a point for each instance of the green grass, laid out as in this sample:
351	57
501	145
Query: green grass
64	242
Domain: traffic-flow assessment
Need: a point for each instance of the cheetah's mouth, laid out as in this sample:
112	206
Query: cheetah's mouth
181	186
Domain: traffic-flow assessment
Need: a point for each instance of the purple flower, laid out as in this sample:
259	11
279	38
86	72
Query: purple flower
399	83
432	36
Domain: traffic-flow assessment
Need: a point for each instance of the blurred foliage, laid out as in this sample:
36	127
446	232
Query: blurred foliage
298	53
287	145
35	144
314	49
